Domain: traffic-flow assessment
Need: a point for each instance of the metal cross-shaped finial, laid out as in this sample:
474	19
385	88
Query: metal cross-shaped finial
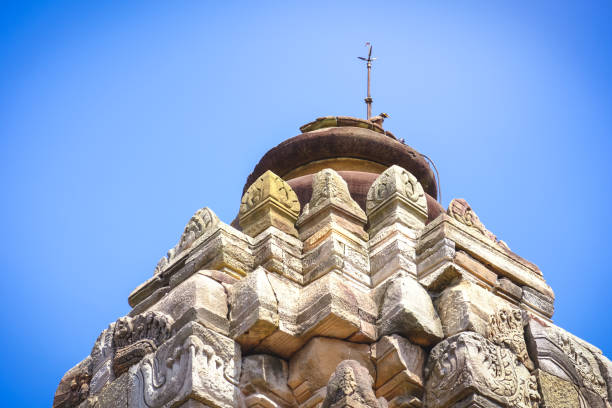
369	60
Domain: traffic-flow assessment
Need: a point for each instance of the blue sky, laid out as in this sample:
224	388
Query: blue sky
118	120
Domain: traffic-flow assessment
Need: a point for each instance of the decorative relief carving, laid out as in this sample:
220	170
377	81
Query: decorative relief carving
396	180
460	210
269	185
583	362
469	361
195	362
202	222
138	336
506	329
74	386
350	386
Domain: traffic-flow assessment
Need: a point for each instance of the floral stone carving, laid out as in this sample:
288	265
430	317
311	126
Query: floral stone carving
506	330
467	362
269	201
460	210
396	182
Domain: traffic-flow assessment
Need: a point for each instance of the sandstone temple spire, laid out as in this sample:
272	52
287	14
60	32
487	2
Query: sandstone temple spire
342	282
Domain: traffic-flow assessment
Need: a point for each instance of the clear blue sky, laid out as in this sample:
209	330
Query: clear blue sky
119	119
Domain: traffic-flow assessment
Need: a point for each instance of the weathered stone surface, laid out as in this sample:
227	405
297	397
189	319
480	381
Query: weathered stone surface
331	203
557	392
508	288
279	253
605	367
392	250
329	307
264	381
467	306
254	309
135	337
559	353
199	298
196	363
407	310
102	355
350	386
460	210
475	268
399	367
504	263
311	367
476	401
113	395
269	201
538	302
201	225
467	362
396	197
74	385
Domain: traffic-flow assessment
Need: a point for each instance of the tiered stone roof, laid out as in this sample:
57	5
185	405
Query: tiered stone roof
343	283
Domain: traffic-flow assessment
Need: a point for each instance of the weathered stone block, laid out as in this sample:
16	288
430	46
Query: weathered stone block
399	367
195	363
254	309
74	385
557	392
311	367
392	250
350	386
407	310
102	355
264	377
331	203
280	253
468	363
269	201
198	298
538	302
396	196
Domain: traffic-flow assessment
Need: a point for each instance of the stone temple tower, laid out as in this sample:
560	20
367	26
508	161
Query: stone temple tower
341	283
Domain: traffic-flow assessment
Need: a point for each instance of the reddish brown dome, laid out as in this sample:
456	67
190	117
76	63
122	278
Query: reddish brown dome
352	147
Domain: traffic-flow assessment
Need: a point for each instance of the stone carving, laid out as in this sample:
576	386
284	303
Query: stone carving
506	330
460	210
74	386
102	360
350	386
269	185
468	361
200	224
269	201
396	181
329	188
559	353
196	363
310	368
135	337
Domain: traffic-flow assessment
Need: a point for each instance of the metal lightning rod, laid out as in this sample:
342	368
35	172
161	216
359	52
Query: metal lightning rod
368	60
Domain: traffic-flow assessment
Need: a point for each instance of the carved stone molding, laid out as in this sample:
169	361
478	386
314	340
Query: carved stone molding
135	337
469	362
460	210
399	183
506	330
202	223
196	363
269	201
